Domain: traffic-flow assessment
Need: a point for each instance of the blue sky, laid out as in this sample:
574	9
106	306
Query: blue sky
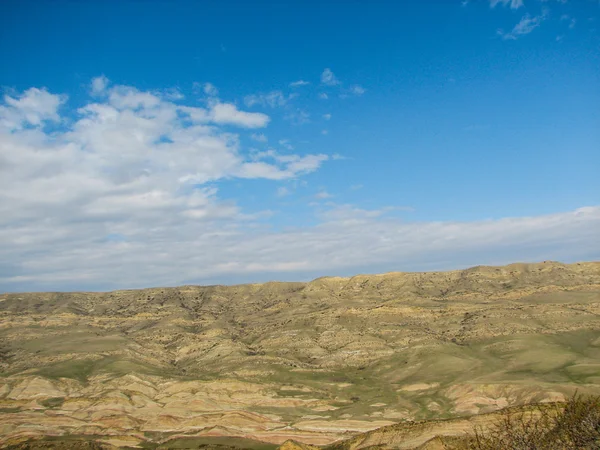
162	143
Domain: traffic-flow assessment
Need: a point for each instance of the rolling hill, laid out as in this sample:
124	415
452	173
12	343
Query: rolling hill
253	366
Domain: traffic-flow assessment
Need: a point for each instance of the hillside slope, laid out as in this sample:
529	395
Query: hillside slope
315	362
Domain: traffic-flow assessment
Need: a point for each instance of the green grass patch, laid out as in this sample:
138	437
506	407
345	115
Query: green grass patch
217	442
54	402
82	369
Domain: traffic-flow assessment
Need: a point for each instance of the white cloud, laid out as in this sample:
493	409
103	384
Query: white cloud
295	165
323	96
33	107
166	240
285	143
227	113
125	97
299	83
571	20
172	94
135	165
282	192
323	194
328	78
98	85
134	179
258	137
525	26
273	99
302	164
297	117
514	4
210	90
357	90
327	116
324	132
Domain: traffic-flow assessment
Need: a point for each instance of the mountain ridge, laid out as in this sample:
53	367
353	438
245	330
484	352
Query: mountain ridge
332	278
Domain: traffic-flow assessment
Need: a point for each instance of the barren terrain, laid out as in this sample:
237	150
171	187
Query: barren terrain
315	362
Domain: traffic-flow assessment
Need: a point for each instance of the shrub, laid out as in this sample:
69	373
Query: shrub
574	425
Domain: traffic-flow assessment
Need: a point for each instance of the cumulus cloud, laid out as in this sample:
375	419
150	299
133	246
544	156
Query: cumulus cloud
32	107
134	165
328	78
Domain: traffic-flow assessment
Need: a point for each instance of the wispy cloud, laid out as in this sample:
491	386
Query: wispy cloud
210	90
327	116
282	191
525	26
258	137
570	20
273	99
299	83
328	78
477	127
99	85
285	143
323	96
514	4
323	195
173	94
357	90
206	89
297	117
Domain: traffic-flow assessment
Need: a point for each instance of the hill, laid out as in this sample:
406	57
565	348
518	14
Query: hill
315	362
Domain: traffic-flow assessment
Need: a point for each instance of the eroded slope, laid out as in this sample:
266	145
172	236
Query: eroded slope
315	362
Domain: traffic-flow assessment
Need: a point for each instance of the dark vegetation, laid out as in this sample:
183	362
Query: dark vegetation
572	426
